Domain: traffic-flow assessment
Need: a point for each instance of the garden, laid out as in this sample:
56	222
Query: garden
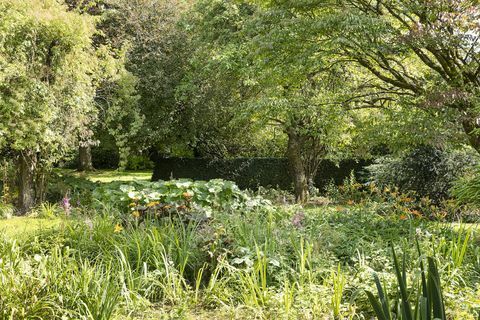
239	159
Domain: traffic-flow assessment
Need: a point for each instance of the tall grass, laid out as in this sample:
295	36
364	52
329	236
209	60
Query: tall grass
254	265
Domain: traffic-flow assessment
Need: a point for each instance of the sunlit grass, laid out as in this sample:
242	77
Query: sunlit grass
106	176
21	227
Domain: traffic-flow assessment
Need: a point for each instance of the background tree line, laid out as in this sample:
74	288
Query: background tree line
312	80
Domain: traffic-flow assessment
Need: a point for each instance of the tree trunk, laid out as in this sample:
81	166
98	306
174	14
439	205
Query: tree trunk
85	158
294	155
26	181
471	125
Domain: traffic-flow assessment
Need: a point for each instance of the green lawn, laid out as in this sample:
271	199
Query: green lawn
110	175
21	227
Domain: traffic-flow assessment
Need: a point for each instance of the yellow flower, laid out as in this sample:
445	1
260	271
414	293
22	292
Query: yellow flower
153	204
118	228
132	204
136	214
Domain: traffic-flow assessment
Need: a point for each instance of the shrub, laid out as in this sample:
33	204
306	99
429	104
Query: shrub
427	171
139	162
78	190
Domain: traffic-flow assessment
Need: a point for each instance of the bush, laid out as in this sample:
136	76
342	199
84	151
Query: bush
78	190
427	171
251	173
139	162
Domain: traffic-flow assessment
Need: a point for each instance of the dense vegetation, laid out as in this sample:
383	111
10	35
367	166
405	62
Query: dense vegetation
389	87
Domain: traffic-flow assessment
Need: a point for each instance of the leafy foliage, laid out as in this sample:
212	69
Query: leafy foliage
47	77
177	195
258	263
429	304
467	188
427	171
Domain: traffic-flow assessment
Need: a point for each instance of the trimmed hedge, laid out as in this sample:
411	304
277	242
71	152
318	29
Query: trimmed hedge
250	172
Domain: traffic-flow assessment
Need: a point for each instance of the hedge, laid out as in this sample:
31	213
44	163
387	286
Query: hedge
251	172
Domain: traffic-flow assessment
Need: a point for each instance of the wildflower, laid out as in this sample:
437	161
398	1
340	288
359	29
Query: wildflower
403	217
133	204
417	213
153	204
66	204
186	195
339	208
350	202
136	214
118	228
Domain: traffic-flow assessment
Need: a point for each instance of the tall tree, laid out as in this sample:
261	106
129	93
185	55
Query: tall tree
268	87
47	83
416	54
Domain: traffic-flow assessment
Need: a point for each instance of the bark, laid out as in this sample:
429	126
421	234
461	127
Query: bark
85	158
294	155
27	162
40	185
470	125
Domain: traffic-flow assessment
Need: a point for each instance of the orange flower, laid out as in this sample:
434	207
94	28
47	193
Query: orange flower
403	217
417	213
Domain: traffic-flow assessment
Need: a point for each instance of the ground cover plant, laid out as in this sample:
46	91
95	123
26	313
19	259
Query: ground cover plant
263	262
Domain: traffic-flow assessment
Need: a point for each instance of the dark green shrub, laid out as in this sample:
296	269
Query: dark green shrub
428	171
251	173
139	162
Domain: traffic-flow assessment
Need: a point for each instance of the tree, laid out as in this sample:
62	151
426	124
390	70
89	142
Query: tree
116	98
420	55
156	54
47	83
259	86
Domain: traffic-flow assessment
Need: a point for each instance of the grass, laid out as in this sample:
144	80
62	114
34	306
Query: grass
268	262
24	227
106	176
